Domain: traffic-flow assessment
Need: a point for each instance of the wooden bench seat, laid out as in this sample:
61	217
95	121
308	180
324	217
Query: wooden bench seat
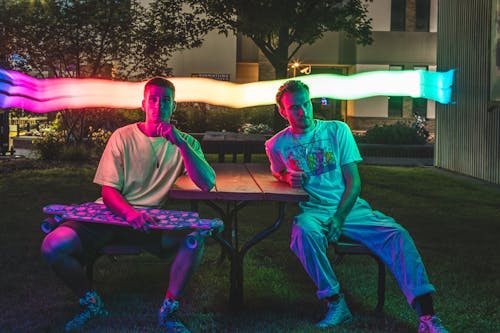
342	248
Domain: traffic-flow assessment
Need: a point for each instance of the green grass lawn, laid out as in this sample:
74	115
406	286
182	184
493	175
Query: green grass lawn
454	221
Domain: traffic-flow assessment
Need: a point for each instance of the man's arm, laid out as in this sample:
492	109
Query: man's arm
352	182
292	178
115	202
198	169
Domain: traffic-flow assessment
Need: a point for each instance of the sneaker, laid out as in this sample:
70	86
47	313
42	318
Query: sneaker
431	324
92	307
337	313
167	317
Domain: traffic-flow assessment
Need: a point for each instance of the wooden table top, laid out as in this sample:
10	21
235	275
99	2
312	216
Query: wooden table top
236	181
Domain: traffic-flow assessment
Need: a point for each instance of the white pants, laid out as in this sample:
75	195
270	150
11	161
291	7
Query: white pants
380	233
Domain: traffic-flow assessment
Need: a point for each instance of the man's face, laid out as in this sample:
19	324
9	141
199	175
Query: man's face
297	109
158	104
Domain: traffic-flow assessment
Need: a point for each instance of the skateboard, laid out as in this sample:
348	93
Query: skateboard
98	213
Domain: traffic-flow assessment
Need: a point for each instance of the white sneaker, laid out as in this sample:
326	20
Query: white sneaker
431	324
168	319
92	308
337	313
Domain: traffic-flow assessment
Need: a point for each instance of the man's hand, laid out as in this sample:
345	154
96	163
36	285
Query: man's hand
293	178
334	229
169	132
139	220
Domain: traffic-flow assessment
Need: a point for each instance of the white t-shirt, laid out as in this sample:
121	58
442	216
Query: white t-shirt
320	154
129	164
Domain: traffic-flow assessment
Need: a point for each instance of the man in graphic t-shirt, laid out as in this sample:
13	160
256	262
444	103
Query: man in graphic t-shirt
321	157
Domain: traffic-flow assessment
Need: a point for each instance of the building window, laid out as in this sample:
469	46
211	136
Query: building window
419	105
331	109
422	15
398	14
395	105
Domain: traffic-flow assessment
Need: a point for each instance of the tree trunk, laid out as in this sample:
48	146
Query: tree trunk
280	64
281	70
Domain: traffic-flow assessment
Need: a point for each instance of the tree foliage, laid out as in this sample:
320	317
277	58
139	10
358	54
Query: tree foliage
66	38
281	27
86	38
95	38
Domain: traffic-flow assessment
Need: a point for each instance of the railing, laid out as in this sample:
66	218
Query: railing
386	150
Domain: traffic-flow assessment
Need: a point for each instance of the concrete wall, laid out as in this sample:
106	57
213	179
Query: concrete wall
372	106
379	11
399	48
217	55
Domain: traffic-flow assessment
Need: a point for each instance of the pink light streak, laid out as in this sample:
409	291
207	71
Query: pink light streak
46	95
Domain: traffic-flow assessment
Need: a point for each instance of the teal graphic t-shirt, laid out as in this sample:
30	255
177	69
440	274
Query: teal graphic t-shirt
320	154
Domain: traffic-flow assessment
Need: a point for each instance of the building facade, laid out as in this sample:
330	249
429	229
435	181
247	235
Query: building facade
405	37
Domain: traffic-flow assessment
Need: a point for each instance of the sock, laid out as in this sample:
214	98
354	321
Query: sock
333	298
423	305
170	296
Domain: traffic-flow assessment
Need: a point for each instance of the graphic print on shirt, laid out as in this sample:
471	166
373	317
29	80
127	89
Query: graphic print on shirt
313	158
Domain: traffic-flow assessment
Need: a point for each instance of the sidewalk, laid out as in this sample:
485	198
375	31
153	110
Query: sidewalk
398	161
28	153
369	160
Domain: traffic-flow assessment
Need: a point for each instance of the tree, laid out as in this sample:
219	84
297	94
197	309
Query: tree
281	27
95	38
157	32
5	33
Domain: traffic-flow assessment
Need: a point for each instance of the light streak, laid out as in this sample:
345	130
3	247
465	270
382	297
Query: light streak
18	90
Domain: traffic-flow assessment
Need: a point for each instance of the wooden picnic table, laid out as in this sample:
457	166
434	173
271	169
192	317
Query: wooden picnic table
234	143
236	185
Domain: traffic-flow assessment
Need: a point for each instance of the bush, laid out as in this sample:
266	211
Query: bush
397	133
249	128
54	145
50	145
200	117
98	139
76	152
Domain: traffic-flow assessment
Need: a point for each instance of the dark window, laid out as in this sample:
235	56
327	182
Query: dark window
420	104
420	107
328	108
398	13
423	9
395	105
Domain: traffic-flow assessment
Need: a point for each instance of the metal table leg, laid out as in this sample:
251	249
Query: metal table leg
236	254
236	290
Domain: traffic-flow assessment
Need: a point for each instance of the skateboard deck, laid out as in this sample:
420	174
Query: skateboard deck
98	213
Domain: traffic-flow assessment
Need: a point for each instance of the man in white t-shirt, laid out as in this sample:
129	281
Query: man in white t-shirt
322	157
139	165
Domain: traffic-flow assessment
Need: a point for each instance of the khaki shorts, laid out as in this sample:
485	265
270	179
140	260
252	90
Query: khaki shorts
94	236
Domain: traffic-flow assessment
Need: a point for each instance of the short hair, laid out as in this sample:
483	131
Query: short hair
160	82
290	86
